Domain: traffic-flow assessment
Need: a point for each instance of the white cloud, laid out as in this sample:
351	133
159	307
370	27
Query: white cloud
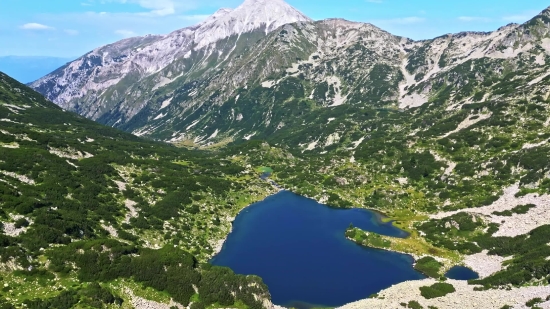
36	26
474	19
126	33
71	32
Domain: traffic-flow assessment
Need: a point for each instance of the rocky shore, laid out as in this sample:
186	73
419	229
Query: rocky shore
482	263
464	297
217	248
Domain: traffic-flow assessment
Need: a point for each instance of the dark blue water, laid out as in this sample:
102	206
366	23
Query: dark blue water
461	273
299	249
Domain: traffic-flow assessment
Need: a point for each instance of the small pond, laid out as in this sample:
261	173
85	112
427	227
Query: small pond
461	273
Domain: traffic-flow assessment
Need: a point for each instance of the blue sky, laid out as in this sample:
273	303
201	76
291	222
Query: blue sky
70	28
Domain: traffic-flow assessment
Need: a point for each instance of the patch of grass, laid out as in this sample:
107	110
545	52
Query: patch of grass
428	266
122	285
414	245
264	169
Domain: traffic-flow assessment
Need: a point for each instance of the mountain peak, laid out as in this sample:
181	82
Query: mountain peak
273	5
251	15
219	14
543	17
222	12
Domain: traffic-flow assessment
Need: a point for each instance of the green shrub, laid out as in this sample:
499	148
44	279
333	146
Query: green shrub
413	304
21	223
533	302
436	290
197	306
523	209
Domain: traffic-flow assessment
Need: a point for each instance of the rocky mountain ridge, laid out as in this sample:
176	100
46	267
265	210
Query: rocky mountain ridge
138	58
189	86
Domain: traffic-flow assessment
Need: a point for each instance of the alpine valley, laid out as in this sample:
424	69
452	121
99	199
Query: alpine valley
126	203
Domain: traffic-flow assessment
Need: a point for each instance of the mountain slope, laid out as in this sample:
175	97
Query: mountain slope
242	84
96	81
448	137
107	218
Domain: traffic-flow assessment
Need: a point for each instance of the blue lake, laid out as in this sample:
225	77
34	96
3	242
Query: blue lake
461	273
299	248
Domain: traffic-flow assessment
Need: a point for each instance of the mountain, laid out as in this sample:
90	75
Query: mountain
92	217
104	74
29	69
448	137
233	77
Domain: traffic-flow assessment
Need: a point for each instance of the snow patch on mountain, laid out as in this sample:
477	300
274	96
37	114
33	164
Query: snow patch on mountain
166	103
192	125
160	116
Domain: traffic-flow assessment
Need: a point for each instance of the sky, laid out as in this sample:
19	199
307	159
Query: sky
71	28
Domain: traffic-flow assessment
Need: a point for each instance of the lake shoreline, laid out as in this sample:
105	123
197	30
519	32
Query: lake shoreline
244	250
218	246
379	215
408	290
405	287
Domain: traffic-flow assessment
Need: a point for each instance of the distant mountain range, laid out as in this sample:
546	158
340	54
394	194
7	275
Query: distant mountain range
31	68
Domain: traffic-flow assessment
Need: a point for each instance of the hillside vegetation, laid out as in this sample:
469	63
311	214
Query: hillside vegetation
89	213
449	138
